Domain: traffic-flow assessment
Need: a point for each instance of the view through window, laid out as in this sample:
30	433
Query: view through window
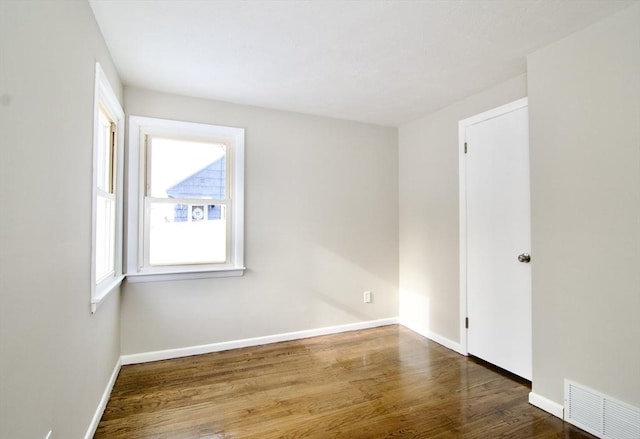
187	202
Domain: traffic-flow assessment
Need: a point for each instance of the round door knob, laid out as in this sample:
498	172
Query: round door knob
525	258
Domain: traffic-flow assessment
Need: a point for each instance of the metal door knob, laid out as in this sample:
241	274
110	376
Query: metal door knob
525	258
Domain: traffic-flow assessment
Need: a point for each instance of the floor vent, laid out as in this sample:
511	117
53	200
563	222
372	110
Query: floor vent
599	414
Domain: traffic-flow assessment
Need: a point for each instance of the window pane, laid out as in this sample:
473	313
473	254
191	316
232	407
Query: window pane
187	234
104	165
186	169
105	236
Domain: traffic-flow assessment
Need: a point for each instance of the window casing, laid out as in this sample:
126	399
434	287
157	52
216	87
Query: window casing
186	200
107	182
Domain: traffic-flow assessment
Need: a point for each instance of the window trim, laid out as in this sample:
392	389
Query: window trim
106	100
139	128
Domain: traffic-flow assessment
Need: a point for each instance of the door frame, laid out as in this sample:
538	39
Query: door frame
462	184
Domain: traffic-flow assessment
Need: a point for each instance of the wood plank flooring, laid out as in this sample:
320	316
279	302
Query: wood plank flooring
385	382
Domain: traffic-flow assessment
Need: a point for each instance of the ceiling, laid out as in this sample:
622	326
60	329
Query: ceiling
383	62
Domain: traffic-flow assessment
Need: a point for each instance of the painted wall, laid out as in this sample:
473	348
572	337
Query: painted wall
429	213
55	357
584	106
321	227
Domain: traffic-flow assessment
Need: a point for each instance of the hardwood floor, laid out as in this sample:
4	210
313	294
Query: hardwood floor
385	382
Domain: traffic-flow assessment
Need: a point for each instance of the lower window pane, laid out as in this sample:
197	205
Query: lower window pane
105	237
181	234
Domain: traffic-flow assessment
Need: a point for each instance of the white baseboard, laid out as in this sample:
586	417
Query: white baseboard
103	401
546	404
449	344
146	357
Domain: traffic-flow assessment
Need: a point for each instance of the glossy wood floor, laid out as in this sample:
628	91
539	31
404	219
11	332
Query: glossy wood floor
385	382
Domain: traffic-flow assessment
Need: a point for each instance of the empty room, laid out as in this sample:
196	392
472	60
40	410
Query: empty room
317	218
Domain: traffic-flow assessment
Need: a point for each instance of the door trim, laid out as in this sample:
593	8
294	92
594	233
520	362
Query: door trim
462	185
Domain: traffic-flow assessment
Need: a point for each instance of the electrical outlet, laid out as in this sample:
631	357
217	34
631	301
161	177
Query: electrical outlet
367	297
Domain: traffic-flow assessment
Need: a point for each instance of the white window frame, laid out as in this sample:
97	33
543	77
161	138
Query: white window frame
105	99
139	129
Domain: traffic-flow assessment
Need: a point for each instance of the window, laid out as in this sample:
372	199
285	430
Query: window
105	197
185	200
106	258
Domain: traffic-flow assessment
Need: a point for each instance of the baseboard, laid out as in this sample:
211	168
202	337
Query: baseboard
146	357
447	343
103	401
547	405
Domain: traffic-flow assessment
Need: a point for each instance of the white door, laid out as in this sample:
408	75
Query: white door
498	219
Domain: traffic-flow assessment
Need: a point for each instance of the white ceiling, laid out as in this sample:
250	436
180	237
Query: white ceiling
384	62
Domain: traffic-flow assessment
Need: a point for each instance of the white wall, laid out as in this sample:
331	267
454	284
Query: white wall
321	227
584	106
429	214
55	357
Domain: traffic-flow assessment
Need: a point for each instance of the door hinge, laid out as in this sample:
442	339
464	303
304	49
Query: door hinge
465	147
466	322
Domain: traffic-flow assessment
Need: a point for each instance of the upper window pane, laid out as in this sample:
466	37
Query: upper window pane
187	169
105	153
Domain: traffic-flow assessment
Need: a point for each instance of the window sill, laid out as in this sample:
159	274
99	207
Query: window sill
104	292
185	275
